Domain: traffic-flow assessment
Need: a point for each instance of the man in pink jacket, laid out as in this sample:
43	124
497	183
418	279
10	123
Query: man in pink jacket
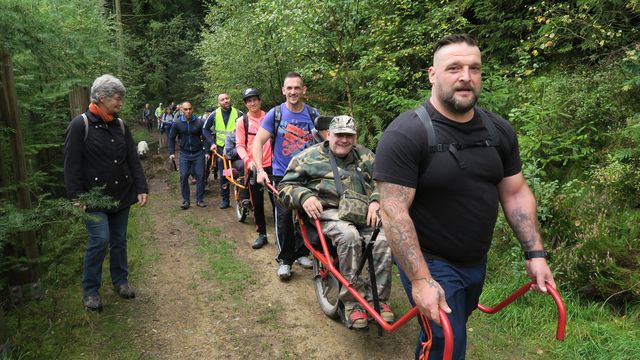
246	128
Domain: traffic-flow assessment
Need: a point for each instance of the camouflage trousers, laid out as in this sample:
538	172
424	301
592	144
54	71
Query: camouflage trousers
348	241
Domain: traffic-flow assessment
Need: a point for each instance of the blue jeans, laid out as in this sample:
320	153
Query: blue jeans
192	165
224	183
462	288
106	230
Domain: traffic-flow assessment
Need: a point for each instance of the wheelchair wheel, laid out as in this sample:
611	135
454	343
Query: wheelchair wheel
241	211
327	290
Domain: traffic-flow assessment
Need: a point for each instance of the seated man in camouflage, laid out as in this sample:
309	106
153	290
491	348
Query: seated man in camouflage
310	184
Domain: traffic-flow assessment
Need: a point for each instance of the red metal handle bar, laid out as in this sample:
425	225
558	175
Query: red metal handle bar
325	258
226	164
272	188
562	310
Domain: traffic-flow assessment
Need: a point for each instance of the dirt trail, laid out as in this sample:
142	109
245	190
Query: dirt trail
181	312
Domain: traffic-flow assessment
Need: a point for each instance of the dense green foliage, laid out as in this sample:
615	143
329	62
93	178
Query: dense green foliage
55	46
161	36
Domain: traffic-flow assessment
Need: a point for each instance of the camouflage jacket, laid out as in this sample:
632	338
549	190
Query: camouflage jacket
310	174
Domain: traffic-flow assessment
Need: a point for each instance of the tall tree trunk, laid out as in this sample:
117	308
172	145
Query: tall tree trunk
4	177
3	334
119	35
347	87
10	114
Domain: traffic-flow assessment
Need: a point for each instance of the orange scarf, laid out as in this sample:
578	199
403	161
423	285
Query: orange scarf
100	113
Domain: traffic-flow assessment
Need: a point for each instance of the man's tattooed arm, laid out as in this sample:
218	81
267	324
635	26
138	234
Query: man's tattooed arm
520	209
395	201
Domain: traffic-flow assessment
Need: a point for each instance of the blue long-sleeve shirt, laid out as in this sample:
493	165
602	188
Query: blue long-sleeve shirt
190	133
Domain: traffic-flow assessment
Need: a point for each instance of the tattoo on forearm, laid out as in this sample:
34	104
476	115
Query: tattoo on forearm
431	282
395	201
525	225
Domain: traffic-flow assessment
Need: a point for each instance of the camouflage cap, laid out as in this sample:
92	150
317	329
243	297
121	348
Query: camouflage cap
343	124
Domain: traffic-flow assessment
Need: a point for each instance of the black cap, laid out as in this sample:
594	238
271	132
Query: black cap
249	92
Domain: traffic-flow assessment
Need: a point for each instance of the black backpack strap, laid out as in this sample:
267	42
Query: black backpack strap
245	120
277	116
423	115
454	148
313	114
432	145
494	139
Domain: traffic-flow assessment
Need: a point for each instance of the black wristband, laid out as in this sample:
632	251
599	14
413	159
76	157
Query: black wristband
528	255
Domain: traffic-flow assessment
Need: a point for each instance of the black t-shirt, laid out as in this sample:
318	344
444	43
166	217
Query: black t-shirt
455	209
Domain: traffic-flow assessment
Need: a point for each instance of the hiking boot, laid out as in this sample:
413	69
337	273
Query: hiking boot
260	241
92	302
201	204
386	313
304	262
356	318
224	204
246	204
124	291
185	205
284	271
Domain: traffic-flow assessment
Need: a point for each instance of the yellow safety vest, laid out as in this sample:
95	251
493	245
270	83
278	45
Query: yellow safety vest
221	131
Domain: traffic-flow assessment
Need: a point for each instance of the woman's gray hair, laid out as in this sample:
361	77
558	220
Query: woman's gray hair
106	86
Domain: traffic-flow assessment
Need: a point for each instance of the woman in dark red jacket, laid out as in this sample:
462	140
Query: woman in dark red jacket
99	153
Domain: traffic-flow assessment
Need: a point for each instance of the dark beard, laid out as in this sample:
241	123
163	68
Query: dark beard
454	105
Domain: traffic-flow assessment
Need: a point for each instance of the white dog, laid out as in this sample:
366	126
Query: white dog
143	148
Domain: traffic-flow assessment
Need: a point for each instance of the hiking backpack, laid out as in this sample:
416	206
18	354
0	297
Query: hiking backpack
453	148
245	120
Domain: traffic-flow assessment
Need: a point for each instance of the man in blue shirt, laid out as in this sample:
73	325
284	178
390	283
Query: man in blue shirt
189	127
289	127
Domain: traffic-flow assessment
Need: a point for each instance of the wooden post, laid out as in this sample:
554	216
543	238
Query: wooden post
10	114
78	100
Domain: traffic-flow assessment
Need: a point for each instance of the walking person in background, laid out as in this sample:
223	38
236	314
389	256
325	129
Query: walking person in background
217	126
189	128
99	152
439	201
207	152
166	122
159	111
289	128
247	127
147	116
